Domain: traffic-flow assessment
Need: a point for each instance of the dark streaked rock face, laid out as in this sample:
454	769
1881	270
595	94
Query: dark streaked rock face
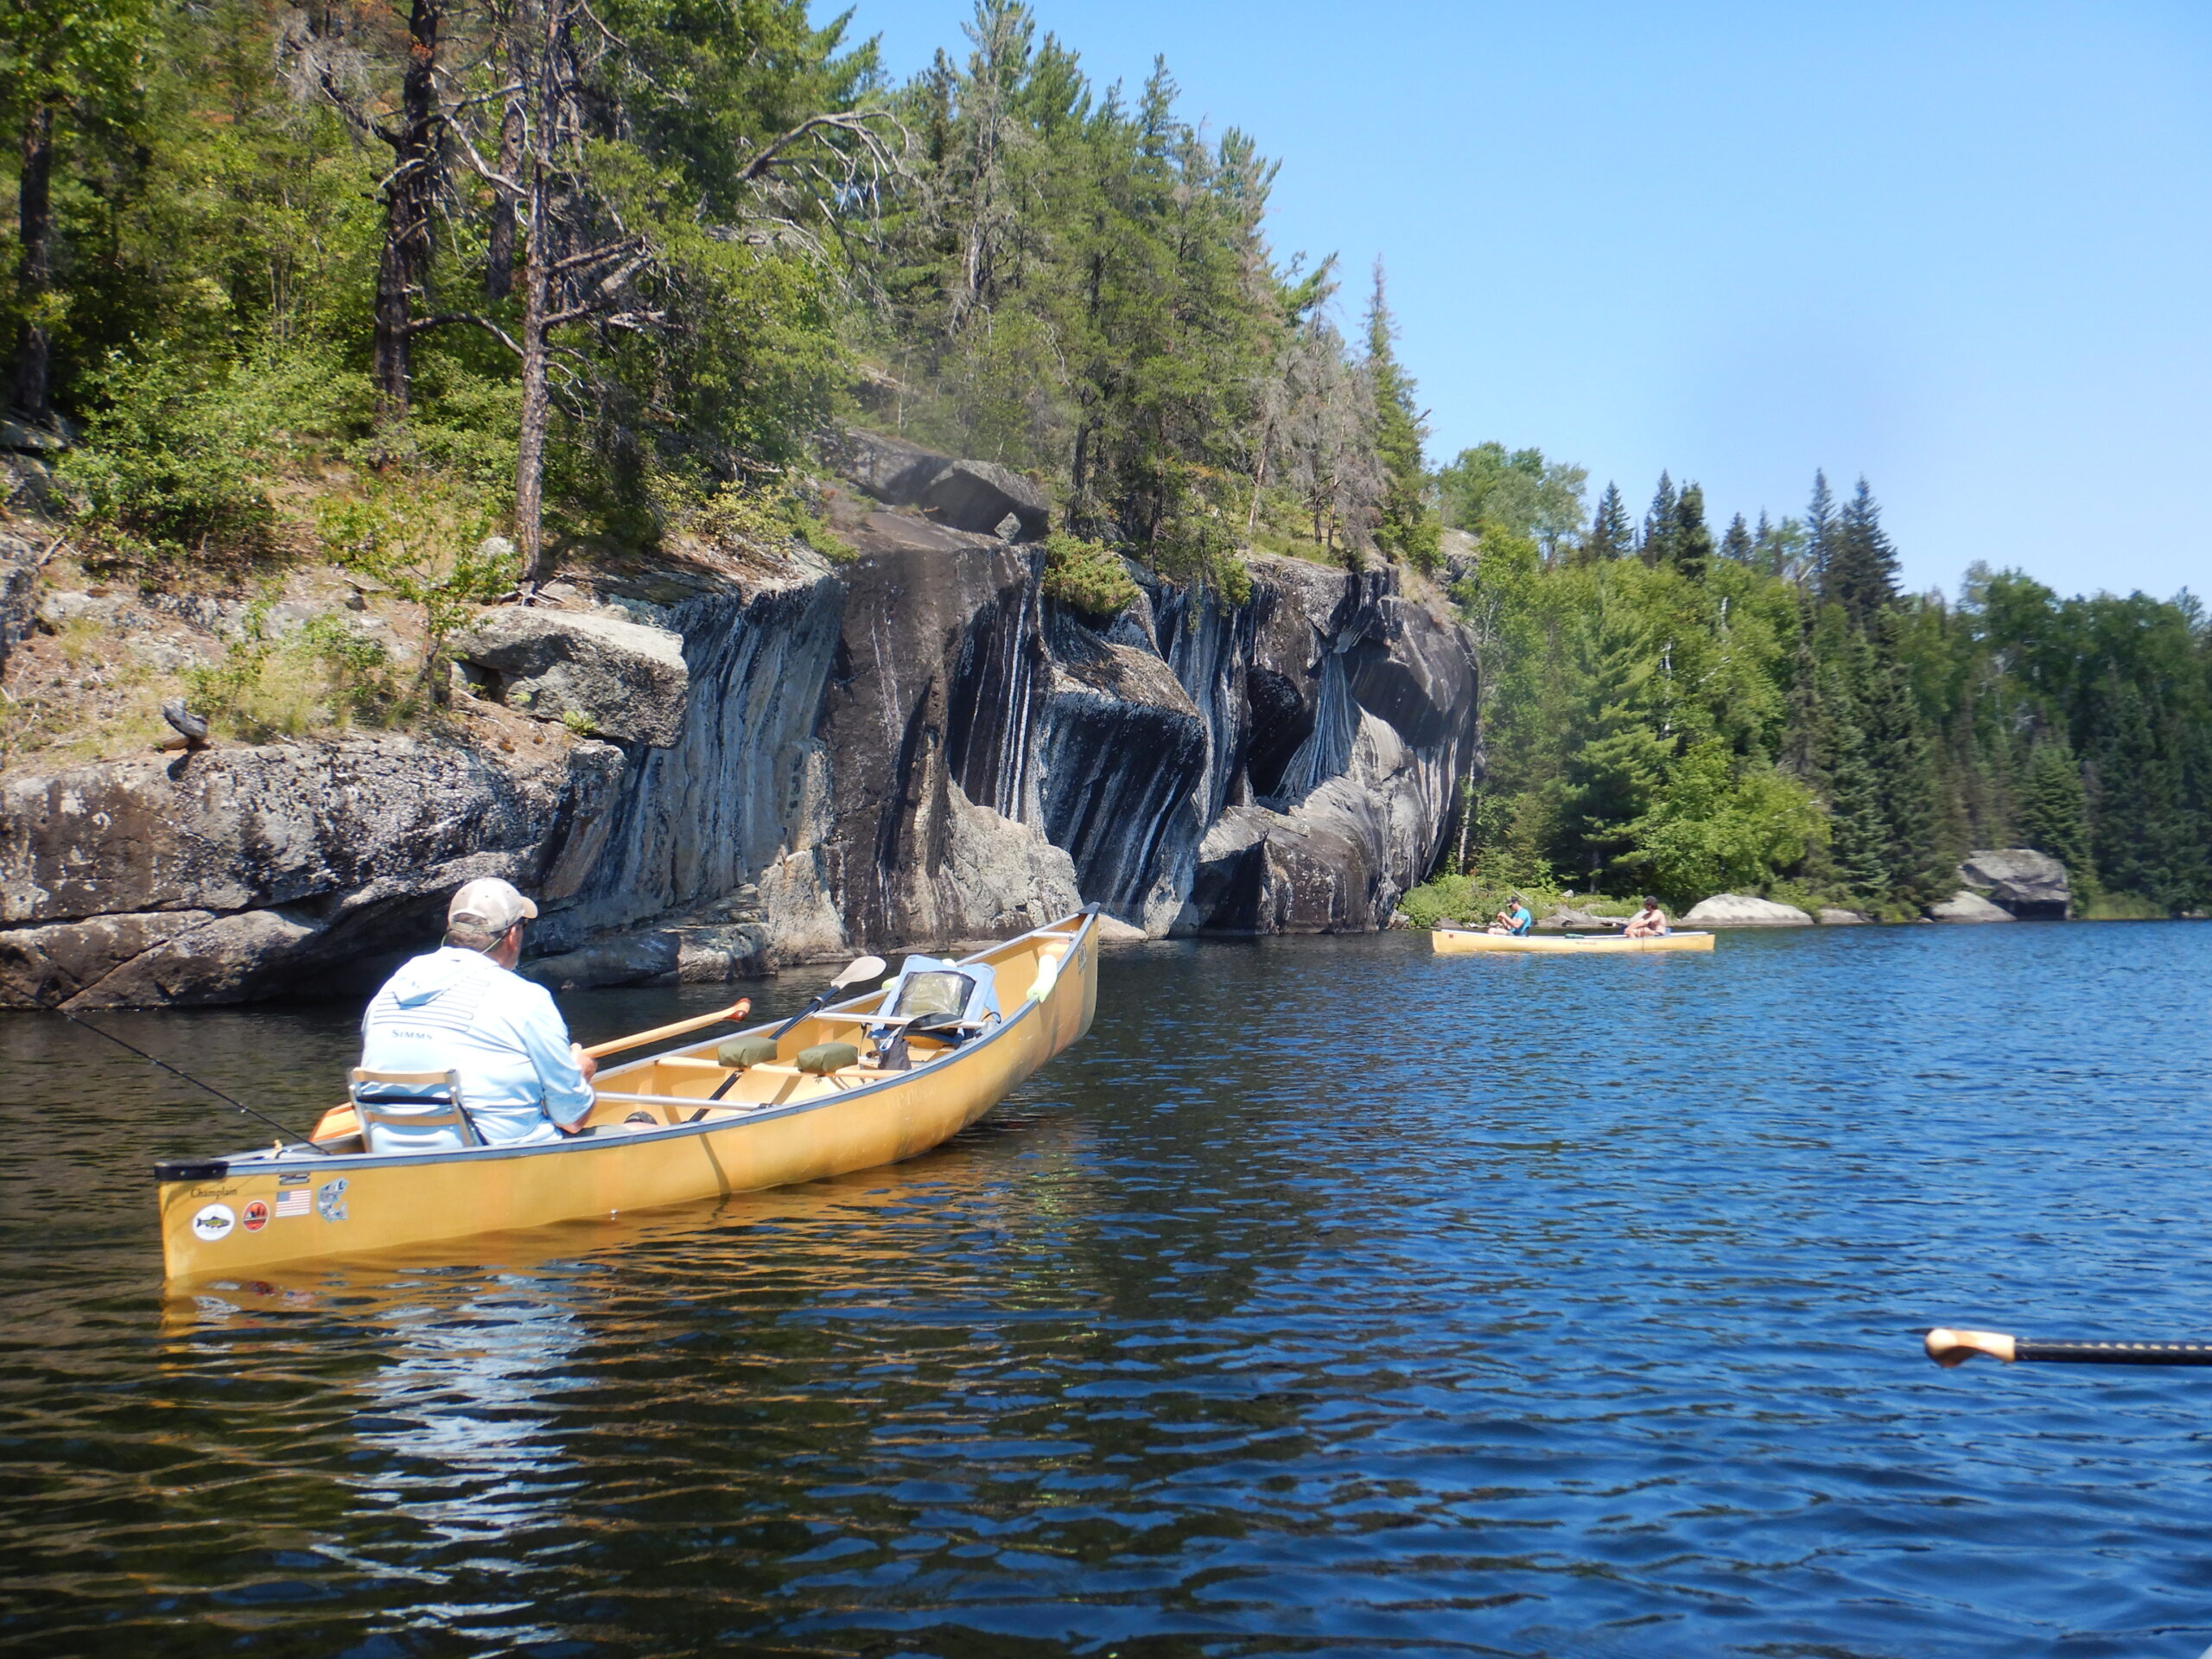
910	749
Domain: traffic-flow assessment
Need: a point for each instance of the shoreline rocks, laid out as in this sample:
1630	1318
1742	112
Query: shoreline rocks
1742	909
1566	920
1964	906
2027	885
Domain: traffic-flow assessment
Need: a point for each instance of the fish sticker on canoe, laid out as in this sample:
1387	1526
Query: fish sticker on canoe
214	1222
330	1200
294	1203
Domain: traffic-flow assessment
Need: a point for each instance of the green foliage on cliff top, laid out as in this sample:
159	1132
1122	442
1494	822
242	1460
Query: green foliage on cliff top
1087	576
998	258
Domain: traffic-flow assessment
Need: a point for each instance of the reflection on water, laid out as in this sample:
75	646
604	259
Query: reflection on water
465	1412
1330	1299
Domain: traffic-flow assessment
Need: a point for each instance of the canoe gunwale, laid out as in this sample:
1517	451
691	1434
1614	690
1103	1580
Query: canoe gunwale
1476	942
260	1159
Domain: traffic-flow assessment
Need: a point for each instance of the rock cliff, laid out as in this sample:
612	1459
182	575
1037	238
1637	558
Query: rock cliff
734	763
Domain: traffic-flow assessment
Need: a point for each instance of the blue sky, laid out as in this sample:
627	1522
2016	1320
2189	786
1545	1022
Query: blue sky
1964	249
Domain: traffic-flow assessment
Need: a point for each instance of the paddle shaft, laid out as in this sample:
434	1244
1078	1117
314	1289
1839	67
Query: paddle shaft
736	1010
2114	1353
812	1008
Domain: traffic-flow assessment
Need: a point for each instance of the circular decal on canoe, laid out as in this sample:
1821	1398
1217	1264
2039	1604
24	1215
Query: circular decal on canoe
255	1217
213	1222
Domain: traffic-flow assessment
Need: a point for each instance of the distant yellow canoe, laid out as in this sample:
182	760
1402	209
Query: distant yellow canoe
1465	941
714	1129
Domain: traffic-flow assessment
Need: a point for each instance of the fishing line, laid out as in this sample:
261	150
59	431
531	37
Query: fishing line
50	1007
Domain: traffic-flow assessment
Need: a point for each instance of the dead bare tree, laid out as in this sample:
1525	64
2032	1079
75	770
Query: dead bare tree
1327	447
410	192
512	28
1000	33
584	263
320	61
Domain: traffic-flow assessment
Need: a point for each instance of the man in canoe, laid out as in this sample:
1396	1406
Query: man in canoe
1649	923
1514	919
463	1008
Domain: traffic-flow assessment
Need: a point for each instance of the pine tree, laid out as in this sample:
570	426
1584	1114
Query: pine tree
1737	543
1691	550
1410	526
1860	573
1611	535
2053	814
2135	821
1657	544
1820	528
1616	758
1802	751
1826	746
1903	761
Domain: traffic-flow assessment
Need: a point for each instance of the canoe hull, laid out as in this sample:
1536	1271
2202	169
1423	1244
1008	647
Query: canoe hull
1460	942
259	1211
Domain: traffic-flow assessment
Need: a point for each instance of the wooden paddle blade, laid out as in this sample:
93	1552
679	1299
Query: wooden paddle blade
1947	1347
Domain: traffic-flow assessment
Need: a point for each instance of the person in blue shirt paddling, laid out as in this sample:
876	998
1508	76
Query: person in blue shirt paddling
1514	919
463	1008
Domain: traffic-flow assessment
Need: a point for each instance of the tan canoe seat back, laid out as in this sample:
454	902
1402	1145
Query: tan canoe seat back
410	1112
824	1058
741	1052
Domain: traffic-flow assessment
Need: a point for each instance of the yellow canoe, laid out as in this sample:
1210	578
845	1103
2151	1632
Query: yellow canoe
771	1127
1465	941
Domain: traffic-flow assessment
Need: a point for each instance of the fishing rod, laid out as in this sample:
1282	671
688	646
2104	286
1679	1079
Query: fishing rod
56	1007
1949	1347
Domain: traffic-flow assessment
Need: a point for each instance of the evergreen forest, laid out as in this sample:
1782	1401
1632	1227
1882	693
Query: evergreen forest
449	290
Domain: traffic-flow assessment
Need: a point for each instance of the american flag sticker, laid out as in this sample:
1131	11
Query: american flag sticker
294	1203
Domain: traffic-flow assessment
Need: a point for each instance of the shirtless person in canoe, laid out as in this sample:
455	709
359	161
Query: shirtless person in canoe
1649	923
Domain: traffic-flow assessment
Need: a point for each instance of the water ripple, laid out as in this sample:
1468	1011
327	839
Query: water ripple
1331	1298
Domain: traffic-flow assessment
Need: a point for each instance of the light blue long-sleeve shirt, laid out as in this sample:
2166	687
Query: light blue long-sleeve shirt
456	1010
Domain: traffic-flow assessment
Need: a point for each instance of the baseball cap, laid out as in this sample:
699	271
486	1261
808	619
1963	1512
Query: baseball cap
490	904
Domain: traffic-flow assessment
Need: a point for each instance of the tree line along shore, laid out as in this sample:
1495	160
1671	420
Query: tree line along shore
448	295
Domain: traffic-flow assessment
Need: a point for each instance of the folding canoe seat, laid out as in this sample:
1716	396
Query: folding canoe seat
411	1111
949	1002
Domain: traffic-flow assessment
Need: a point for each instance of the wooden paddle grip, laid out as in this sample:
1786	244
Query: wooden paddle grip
2114	1353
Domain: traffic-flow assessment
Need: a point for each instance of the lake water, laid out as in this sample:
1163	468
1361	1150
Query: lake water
1331	1298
